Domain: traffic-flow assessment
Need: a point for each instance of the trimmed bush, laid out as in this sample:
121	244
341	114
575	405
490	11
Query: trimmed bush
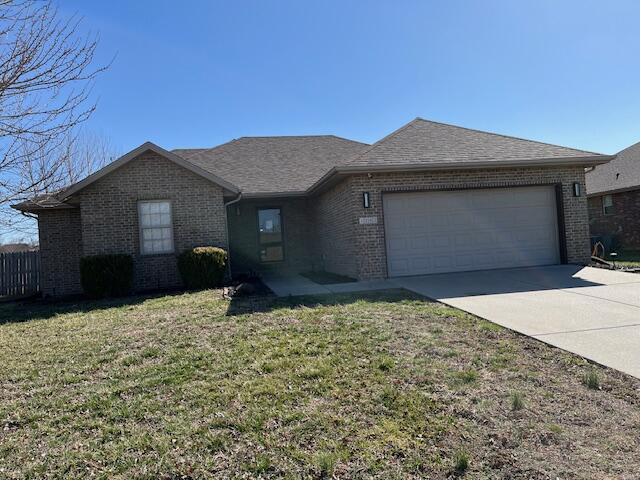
202	267
106	275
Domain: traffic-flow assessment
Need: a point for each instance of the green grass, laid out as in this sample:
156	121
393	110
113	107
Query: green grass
350	386
174	386
517	402
461	461
591	379
628	258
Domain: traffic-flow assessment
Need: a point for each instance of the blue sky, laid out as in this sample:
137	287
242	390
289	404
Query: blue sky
198	73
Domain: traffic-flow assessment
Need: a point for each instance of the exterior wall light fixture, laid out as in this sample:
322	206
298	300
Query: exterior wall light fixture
577	189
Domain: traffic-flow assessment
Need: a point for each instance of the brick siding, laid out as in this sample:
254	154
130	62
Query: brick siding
334	223
107	222
623	224
109	215
60	250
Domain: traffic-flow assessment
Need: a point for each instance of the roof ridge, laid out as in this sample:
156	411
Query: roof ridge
303	136
505	136
628	148
285	136
198	150
209	149
389	135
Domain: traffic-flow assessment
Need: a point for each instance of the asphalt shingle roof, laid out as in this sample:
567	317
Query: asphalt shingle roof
621	173
289	165
426	142
41	202
274	164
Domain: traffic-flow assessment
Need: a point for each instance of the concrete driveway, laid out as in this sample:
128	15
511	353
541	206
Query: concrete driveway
592	312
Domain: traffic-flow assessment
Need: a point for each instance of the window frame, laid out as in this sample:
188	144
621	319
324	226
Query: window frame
141	228
604	206
269	244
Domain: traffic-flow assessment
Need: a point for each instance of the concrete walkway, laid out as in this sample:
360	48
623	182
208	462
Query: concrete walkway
592	312
286	285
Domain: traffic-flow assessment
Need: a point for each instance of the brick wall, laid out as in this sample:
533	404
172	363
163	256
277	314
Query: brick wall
623	224
368	240
334	224
109	215
297	226
60	250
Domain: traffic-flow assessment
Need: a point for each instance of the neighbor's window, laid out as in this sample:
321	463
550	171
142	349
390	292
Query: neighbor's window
607	204
270	235
156	228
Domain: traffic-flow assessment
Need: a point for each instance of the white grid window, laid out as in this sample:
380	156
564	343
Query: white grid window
156	228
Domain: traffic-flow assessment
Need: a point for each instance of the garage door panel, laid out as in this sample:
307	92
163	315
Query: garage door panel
465	260
483	239
437	220
442	262
398	244
435	232
439	241
460	219
417	222
420	244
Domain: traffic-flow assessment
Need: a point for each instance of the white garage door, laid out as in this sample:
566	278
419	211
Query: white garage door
462	230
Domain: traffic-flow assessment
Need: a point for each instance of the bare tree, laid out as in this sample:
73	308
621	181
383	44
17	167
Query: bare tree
81	154
46	75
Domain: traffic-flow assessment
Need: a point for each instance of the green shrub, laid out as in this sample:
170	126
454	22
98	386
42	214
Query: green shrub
106	275
202	267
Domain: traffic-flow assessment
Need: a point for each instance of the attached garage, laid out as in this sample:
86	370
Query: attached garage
475	229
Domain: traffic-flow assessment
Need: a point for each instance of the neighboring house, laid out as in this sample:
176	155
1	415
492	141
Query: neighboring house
17	247
428	198
614	200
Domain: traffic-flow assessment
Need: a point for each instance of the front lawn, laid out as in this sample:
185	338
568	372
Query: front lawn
383	385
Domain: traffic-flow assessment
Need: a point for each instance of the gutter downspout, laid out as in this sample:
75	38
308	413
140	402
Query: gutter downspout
226	213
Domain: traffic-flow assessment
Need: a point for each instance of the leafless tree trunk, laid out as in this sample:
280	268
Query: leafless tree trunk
46	75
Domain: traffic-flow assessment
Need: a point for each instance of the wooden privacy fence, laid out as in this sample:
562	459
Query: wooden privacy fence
19	274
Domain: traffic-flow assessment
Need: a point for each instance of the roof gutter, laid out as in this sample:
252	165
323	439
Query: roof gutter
541	162
23	208
274	194
473	165
613	191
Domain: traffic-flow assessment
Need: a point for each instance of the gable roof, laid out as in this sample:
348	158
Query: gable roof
427	143
57	200
262	166
145	147
622	173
